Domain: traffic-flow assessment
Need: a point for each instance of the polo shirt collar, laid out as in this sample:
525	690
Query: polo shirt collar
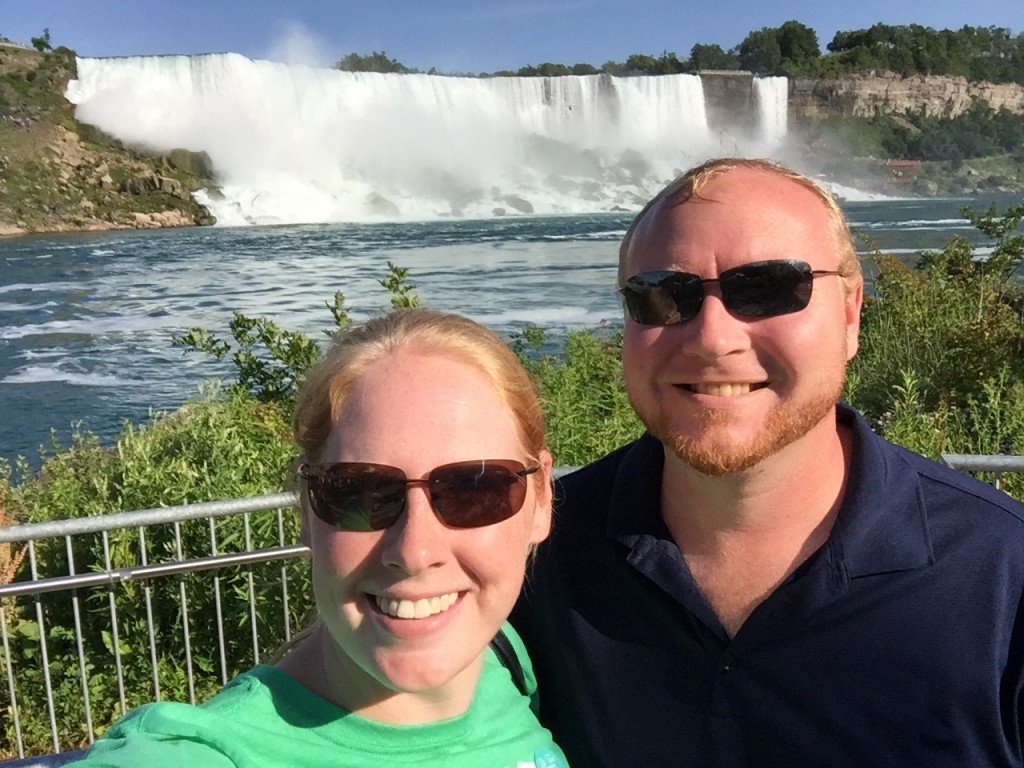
881	527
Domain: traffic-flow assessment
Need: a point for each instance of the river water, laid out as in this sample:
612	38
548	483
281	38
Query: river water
86	319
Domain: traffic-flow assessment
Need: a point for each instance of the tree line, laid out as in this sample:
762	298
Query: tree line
993	54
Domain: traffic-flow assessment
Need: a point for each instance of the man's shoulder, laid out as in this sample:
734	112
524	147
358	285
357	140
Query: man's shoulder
942	484
595	482
895	471
601	471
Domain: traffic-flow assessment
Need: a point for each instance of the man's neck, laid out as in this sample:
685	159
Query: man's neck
743	534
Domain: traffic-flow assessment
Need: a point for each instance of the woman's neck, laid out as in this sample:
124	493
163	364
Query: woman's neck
320	664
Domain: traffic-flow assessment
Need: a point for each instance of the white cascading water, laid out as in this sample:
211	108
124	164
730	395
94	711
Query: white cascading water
294	144
772	97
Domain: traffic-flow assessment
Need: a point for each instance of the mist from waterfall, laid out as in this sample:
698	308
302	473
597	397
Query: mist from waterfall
293	144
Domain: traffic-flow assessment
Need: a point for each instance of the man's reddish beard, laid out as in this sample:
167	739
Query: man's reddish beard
786	424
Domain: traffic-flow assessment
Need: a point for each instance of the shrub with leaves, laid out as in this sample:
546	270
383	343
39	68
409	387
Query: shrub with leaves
582	394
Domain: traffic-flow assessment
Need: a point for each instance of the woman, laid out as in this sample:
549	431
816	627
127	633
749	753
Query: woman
425	484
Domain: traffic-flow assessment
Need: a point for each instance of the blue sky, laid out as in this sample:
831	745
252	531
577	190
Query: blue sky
459	35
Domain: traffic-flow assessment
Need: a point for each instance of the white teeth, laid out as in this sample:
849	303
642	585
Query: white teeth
416	609
721	390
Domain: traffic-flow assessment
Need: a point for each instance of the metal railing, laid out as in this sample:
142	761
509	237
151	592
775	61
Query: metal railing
100	575
111	582
997	465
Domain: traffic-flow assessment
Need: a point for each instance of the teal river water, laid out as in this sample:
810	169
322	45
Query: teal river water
86	319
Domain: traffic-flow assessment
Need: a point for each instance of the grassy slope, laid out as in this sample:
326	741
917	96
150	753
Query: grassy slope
57	174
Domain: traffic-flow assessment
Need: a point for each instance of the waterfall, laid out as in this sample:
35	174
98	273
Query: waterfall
772	96
292	143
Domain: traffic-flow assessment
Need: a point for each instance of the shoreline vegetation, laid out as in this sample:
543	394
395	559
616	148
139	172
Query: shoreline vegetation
967	137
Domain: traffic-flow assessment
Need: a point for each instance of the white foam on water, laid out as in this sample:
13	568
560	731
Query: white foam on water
853	195
35	374
957	223
37	287
22	307
102	326
550	317
977	251
611	234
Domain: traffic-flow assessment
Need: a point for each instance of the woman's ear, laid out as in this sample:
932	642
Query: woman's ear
545	496
304	516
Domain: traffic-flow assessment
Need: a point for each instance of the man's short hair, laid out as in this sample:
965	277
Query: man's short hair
690	183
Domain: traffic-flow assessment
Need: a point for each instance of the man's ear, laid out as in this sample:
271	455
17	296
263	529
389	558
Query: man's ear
853	303
545	498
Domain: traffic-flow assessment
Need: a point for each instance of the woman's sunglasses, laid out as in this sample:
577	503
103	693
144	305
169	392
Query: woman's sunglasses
758	289
358	496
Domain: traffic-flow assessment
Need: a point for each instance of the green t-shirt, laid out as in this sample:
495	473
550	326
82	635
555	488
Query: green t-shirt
264	718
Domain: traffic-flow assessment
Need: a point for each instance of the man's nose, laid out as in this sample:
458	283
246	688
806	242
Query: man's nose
715	331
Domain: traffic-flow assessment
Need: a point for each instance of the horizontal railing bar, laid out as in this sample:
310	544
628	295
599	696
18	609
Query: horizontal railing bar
137	573
115	520
984	463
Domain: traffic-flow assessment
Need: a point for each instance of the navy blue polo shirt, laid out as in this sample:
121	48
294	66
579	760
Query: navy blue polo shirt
900	642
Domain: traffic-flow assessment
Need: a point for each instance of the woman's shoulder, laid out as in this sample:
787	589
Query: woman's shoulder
216	733
503	719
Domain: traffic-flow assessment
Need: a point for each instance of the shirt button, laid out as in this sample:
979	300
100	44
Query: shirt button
726	667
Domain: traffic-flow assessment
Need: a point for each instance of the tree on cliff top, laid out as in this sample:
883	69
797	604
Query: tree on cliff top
377	61
704	57
42	43
791	49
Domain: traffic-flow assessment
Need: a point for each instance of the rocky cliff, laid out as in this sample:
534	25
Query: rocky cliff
59	175
864	95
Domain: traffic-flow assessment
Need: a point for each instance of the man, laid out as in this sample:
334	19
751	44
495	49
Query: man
760	580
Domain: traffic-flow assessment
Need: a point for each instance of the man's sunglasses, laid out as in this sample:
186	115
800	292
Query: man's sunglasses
758	289
358	496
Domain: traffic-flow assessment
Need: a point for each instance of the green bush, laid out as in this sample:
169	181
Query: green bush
582	395
941	361
951	323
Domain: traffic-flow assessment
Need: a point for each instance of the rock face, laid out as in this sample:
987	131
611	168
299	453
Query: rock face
57	175
864	95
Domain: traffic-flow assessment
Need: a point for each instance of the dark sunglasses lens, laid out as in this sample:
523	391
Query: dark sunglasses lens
470	494
767	288
357	496
663	298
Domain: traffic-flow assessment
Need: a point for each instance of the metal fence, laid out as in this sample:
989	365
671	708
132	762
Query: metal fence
136	606
996	465
131	607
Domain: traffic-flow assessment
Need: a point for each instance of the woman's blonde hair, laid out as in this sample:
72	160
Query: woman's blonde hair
323	396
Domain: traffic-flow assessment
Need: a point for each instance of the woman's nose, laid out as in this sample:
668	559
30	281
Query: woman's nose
418	540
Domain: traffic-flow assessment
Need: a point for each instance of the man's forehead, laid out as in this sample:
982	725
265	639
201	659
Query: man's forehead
743	191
